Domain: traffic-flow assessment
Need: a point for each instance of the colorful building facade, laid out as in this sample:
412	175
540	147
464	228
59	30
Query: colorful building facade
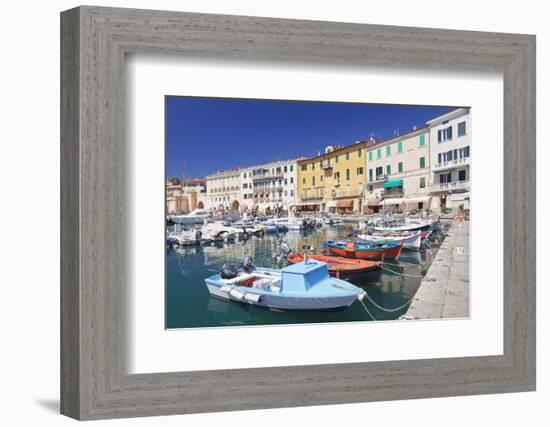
333	182
398	174
424	168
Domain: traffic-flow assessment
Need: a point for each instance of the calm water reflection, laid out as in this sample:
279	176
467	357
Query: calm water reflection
189	305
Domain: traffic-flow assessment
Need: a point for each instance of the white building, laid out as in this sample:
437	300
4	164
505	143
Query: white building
223	189
246	191
450	160
274	185
268	187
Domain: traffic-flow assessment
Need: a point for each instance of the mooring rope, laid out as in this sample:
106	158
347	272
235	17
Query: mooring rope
401	274
402	263
387	310
367	310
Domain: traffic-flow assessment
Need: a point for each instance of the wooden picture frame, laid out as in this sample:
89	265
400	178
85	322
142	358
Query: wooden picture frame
94	382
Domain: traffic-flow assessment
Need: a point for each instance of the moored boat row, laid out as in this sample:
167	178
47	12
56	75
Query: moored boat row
312	281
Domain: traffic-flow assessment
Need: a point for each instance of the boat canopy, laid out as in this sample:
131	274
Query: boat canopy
301	277
459	197
401	200
393	183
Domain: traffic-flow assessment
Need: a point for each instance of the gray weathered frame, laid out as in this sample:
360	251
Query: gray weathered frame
94	41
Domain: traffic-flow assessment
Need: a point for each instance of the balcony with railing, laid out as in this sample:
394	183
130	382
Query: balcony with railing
265	176
459	186
310	196
451	164
379	178
346	192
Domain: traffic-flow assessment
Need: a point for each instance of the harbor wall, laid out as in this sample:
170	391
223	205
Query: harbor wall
445	289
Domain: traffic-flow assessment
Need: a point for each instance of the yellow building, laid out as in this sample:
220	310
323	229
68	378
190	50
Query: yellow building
333	181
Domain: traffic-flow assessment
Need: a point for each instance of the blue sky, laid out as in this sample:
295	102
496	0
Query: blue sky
204	135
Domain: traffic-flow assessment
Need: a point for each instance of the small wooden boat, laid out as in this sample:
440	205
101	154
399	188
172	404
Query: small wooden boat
410	240
302	286
372	251
338	266
407	226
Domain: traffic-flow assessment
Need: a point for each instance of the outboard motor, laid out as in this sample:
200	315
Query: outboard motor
229	271
198	235
285	249
248	264
370	229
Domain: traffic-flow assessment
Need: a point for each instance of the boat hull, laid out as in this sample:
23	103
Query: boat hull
339	266
285	303
409	242
357	252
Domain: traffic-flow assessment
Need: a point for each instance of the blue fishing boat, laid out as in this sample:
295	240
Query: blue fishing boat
364	250
303	286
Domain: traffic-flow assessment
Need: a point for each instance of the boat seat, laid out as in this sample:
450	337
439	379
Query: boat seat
275	285
239	278
262	284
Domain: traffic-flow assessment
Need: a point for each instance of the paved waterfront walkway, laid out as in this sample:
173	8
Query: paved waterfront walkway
445	290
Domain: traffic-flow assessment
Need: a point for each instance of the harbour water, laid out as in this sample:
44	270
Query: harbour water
189	304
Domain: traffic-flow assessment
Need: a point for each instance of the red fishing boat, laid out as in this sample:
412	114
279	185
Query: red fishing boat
338	266
368	251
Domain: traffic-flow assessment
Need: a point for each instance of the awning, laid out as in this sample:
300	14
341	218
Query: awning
308	204
345	204
419	199
394	201
331	204
393	183
457	197
373	202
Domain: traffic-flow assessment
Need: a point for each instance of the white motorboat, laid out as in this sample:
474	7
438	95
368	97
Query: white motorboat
198	216
184	238
333	221
248	227
274	225
219	232
406	225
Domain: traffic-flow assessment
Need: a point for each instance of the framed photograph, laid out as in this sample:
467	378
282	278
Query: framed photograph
262	213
